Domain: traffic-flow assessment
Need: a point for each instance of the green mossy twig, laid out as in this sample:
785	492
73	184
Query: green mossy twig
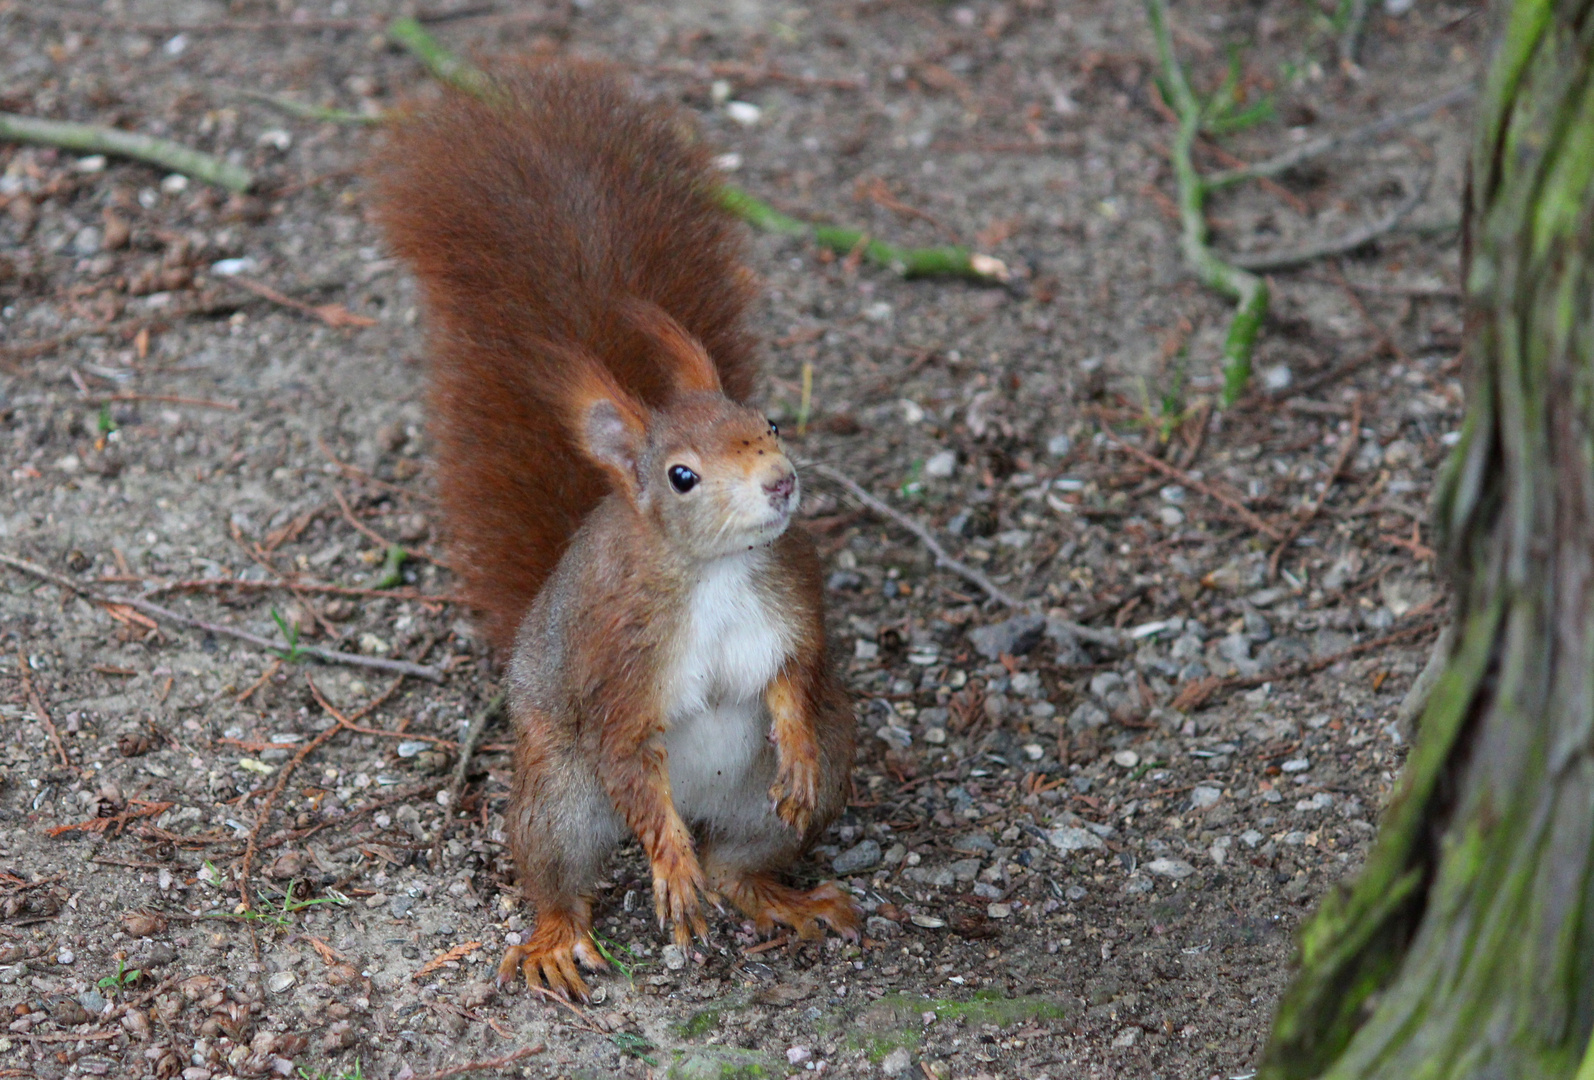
301	111
1248	291
446	67
946	261
93	139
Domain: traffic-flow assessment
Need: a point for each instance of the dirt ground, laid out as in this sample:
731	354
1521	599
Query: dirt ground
1080	858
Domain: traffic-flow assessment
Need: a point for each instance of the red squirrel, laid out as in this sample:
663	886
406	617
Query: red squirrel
621	517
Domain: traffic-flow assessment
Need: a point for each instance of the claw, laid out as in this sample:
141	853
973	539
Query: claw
560	940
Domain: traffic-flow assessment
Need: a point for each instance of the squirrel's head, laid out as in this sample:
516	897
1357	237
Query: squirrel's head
710	474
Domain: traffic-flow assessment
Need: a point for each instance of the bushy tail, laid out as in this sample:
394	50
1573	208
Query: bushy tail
529	217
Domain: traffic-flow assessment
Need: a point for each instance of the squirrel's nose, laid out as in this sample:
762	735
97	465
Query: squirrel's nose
780	490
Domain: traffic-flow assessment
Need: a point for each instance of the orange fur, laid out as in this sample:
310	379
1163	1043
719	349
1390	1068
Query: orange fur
524	221
795	792
584	301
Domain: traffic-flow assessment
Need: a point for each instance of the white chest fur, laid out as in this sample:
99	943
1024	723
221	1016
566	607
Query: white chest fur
729	650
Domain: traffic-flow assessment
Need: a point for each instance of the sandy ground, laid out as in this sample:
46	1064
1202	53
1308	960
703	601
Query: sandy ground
1079	859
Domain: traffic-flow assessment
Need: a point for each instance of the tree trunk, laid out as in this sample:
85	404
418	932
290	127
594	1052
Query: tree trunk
1466	946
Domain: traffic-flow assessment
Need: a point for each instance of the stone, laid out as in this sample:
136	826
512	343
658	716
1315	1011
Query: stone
1013	637
896	1063
1073	838
1296	765
281	981
938	877
1086	716
965	869
1177	869
1256	626
862	856
941	464
1204	796
1127	759
1235	648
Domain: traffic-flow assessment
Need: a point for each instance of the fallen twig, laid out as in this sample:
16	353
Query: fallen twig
1196	694
467	746
37	702
202	584
263	811
333	656
483	1066
1339	245
1289	159
91	139
1240	510
1345	450
1248	291
301	111
950	261
334	315
1350	39
942	557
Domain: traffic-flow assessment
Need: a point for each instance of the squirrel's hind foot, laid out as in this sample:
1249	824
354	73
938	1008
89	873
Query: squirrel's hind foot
767	902
561	939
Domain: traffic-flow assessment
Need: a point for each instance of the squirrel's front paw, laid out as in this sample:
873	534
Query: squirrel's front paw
795	793
678	892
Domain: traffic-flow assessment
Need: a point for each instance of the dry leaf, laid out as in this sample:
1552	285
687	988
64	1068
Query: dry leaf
325	951
458	952
338	315
122	613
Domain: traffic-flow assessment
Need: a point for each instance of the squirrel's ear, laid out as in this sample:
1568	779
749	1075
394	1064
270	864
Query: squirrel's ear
613	435
693	367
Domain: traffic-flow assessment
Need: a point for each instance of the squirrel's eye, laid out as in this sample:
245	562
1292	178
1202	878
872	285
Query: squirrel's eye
682	479
774	428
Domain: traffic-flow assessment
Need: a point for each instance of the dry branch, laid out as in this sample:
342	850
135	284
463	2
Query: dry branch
332	656
1339	245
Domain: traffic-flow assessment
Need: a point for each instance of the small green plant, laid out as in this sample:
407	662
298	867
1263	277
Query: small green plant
279	913
1226	112
290	634
392	569
124	977
105	425
634	1046
913	486
355	1073
611	950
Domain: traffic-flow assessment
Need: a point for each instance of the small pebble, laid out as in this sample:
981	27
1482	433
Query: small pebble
796	1055
674	957
281	981
1127	758
1170	868
66	956
1295	765
942	464
858	858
